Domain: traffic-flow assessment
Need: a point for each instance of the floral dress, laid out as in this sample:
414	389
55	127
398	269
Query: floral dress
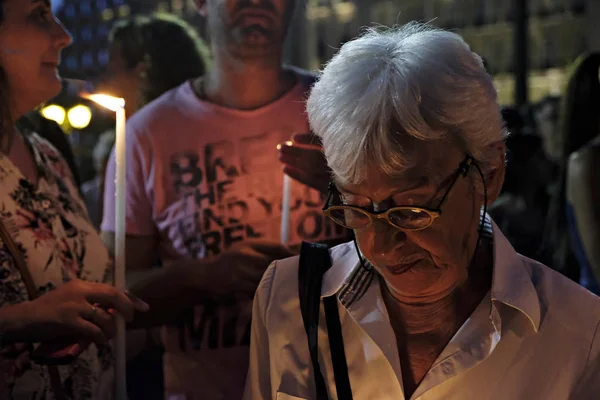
49	223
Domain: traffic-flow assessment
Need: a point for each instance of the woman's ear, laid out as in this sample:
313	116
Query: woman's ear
494	174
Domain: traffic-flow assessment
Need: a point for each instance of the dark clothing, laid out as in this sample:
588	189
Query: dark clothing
587	277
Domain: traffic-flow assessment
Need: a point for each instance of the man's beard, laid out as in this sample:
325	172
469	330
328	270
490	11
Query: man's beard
255	35
254	41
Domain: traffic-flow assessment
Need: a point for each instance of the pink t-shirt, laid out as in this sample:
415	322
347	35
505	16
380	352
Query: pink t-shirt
202	177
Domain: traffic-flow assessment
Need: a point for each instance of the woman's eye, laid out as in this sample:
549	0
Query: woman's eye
43	14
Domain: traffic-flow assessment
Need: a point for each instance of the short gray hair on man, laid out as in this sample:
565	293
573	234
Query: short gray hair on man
389	88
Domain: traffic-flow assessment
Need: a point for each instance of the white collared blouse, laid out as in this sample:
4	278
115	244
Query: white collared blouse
533	336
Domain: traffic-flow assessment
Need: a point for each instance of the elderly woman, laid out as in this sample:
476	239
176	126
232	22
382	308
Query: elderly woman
433	301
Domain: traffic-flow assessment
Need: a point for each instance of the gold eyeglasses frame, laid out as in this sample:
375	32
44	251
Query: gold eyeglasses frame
435	213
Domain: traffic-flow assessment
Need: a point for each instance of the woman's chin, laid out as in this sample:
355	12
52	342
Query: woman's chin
420	285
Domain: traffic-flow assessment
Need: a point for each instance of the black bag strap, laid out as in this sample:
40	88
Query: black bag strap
336	346
314	262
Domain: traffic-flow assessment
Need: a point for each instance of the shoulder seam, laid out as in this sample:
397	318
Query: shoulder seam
587	362
270	280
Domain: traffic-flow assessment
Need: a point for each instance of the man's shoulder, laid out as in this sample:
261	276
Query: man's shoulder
564	300
163	111
305	77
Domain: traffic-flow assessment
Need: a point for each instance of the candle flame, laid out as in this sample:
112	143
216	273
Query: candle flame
106	101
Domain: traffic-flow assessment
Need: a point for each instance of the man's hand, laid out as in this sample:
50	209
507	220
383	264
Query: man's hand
305	162
239	270
182	284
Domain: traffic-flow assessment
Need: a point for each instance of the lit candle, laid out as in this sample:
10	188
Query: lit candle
120	200
285	209
118	106
285	205
120	348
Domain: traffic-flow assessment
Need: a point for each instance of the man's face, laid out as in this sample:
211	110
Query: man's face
249	28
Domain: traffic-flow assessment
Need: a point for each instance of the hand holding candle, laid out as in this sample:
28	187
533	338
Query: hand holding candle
305	162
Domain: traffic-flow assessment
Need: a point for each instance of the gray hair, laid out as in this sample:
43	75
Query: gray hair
390	88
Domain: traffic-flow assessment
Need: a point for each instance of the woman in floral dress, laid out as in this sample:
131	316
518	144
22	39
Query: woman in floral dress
41	209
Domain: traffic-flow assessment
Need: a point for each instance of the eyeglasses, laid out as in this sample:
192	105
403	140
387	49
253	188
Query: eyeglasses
409	218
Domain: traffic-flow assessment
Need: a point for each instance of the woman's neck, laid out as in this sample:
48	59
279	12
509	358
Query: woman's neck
443	315
412	319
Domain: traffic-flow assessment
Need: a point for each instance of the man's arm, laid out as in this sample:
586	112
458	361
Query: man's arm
583	192
141	230
140	254
171	290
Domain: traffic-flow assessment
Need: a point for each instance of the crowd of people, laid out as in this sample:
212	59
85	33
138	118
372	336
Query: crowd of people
456	254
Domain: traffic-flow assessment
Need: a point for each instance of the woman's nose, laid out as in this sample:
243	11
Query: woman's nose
62	36
386	237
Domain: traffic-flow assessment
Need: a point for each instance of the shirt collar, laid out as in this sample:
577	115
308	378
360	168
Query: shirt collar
344	265
511	282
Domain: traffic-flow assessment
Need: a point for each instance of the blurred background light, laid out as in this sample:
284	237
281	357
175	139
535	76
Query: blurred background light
55	113
79	116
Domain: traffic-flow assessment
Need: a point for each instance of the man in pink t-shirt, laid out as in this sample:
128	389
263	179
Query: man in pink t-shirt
204	193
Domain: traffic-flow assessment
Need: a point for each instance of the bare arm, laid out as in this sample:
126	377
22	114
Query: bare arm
171	290
13	322
167	290
139	255
583	192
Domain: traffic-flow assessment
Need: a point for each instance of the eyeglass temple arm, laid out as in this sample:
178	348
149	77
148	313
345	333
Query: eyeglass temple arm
463	170
330	191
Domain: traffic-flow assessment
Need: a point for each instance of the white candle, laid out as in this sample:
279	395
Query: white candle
118	106
119	276
120	200
285	209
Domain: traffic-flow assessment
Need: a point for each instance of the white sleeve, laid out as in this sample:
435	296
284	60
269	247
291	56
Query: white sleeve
588	386
258	381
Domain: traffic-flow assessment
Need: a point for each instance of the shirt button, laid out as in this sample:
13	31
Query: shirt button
448	368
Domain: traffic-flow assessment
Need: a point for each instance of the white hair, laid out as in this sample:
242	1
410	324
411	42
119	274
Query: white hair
390	88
